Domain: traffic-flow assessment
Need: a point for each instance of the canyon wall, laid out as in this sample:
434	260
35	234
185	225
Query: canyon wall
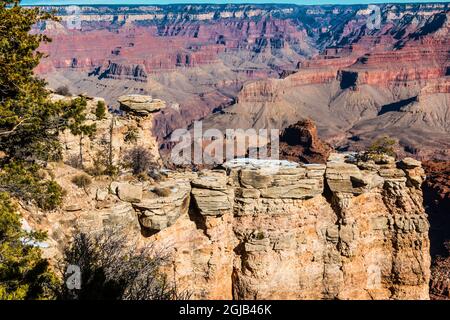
347	229
254	66
340	230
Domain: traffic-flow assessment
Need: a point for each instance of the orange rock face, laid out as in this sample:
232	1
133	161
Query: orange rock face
341	230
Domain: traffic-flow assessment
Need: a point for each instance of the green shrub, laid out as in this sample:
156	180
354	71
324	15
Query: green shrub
52	197
24	274
132	135
112	170
100	111
259	235
384	145
26	182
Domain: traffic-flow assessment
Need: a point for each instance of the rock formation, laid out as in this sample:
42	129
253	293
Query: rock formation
114	136
362	84
368	86
140	104
259	229
300	142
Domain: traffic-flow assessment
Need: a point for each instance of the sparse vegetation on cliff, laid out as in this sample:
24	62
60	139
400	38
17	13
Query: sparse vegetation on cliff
139	160
384	145
131	136
64	91
30	124
82	181
100	110
28	182
115	267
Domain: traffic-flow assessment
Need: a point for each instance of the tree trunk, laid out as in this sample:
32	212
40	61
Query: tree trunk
81	151
111	128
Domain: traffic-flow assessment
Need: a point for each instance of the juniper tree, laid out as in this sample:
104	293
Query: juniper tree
29	127
29	121
23	273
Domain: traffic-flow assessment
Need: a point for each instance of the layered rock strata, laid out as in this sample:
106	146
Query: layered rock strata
347	229
259	229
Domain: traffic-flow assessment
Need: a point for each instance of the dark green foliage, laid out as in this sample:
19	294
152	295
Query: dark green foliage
25	181
131	136
259	236
23	273
63	91
29	128
100	110
29	122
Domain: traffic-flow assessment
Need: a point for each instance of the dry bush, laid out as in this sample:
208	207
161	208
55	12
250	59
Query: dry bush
139	160
114	267
162	192
82	180
63	91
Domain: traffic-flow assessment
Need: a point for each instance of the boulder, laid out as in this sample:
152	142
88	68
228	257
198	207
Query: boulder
101	194
254	179
129	193
213	180
344	177
247	193
409	163
211	202
140	104
113	187
211	194
157	212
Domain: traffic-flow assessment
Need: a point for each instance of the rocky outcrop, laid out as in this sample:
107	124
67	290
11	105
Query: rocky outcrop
264	229
161	207
300	142
356	89
348	230
115	136
140	104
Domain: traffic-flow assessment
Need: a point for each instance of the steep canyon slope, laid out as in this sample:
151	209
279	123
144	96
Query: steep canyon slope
291	62
392	81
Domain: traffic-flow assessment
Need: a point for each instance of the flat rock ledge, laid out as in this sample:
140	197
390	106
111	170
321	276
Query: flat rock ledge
347	229
241	182
140	104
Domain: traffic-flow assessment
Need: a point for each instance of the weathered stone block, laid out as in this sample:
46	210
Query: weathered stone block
129	193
